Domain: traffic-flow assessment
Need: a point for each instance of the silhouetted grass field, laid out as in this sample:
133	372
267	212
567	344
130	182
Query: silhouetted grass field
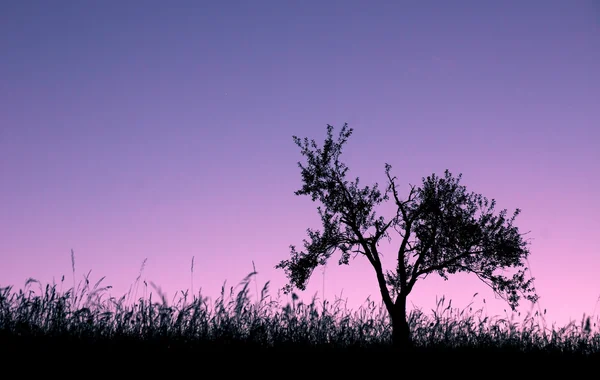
84	320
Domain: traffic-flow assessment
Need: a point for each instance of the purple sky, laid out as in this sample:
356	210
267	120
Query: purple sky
133	130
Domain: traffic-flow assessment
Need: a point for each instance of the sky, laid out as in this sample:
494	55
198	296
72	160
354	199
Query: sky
162	131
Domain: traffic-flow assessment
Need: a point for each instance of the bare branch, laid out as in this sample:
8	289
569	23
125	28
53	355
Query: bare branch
447	263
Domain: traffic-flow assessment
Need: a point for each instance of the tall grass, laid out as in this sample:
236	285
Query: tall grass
85	313
86	319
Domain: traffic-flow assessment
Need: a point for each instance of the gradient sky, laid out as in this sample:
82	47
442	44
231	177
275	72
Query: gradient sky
163	130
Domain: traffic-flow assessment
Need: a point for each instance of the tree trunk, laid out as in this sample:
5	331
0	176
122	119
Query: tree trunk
400	330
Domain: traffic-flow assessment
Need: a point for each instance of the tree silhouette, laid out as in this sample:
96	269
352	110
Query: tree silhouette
442	228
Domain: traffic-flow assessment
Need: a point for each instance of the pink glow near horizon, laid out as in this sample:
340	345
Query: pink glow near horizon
165	132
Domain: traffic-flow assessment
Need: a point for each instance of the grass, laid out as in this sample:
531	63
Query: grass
85	319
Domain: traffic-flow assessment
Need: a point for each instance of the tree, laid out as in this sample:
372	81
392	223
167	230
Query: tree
442	228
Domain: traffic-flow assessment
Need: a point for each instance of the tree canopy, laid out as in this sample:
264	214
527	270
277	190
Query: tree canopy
442	229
